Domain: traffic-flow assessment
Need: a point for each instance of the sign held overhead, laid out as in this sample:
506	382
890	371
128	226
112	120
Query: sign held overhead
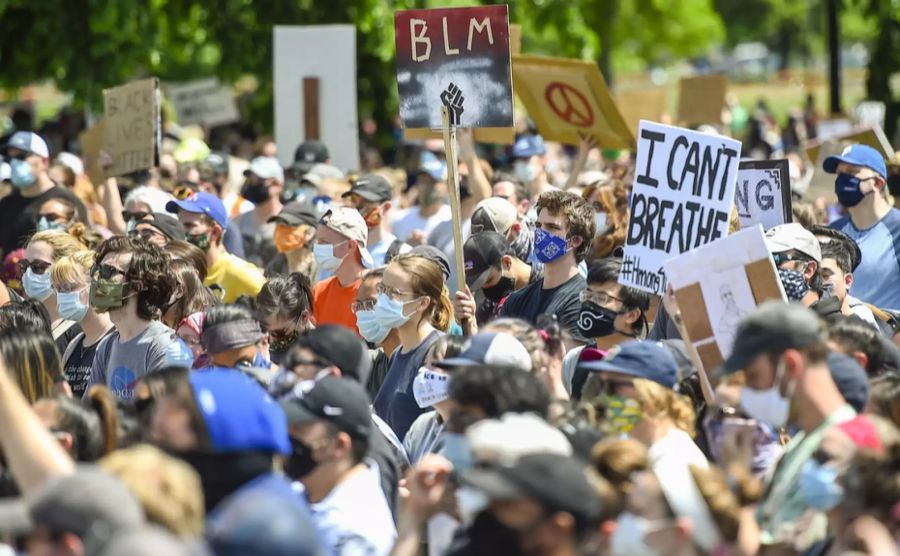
131	132
203	102
763	193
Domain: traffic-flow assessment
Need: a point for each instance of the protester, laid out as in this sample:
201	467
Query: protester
284	307
884	398
86	429
232	338
510	189
32	357
415	224
529	161
382	340
854	338
498	215
160	229
294	236
372	196
263	186
140	204
189	296
56	214
798	258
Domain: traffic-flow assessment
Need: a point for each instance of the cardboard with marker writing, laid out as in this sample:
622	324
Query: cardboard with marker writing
763	193
568	99
701	99
681	199
203	102
719	284
131	133
642	104
91	141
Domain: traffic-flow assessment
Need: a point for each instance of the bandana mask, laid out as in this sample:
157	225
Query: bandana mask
622	414
794	283
548	247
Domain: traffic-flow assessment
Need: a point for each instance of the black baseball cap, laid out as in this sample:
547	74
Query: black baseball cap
339	346
308	154
167	225
343	403
296	213
482	252
434	255
371	187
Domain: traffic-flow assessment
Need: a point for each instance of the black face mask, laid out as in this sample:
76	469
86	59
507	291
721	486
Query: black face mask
595	321
256	193
223	474
301	463
489	537
893	184
501	289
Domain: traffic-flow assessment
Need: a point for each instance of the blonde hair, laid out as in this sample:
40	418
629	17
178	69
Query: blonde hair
427	279
62	243
658	401
168	489
724	504
71	268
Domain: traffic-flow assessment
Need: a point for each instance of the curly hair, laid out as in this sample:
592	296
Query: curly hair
613	200
578	213
147	274
658	401
497	389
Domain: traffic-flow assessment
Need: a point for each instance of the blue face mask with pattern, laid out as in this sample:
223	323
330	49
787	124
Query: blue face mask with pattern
548	247
794	283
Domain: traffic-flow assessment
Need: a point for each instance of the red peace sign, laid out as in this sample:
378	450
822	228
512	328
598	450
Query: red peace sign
569	104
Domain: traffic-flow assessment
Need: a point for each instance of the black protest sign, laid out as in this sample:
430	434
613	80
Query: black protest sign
763	193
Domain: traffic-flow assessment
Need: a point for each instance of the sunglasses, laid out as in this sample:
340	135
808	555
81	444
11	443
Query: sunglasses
182	192
126	216
105	271
145	234
37	267
51	217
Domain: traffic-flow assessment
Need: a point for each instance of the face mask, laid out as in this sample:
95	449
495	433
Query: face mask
795	286
600	223
430	387
106	295
301	462
501	289
325	258
21	174
621	414
768	406
373	219
43	225
256	193
428	195
521	244
223	474
70	306
848	190
595	321
370	328
489	536
201	241
287	238
389	312
282	344
457	451
130	225
548	247
37	286
628	538
819	486
524	171
470	502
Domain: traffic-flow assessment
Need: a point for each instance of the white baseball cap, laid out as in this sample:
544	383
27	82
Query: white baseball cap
350	223
72	162
266	167
29	142
513	435
793	236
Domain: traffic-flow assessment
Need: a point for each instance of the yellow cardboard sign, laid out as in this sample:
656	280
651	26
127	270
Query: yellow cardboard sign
131	131
643	104
871	136
91	144
568	99
701	99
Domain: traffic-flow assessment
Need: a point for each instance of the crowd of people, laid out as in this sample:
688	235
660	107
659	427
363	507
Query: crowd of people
207	357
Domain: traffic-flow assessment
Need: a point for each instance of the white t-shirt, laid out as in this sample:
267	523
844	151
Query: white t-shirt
354	519
676	447
409	220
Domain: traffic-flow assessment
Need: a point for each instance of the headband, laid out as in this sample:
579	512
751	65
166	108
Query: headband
684	498
230	335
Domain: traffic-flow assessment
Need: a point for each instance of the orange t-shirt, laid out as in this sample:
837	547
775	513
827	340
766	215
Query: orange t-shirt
331	303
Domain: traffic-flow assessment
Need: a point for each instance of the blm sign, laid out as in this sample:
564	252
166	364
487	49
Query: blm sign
466	48
681	199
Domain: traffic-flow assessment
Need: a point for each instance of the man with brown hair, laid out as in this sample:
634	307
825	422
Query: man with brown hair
562	236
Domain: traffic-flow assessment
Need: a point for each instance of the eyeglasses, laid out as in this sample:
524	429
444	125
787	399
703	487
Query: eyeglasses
600	298
106	271
126	216
781	258
362	305
392	293
37	267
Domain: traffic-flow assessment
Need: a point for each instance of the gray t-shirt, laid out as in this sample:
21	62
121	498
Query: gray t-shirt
120	365
425	436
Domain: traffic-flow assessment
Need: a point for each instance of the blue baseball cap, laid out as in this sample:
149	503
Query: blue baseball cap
858	155
430	164
527	146
201	202
239	415
649	360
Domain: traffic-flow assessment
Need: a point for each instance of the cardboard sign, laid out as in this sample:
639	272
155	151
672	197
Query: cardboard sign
568	99
646	104
462	48
131	134
763	193
315	91
717	285
91	141
203	102
681	199
701	99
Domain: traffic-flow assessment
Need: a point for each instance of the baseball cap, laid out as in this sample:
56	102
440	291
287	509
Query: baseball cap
647	360
343	403
850	379
371	187
558	483
216	163
432	165
858	155
434	255
349	223
513	435
266	167
772	328
239	415
493	215
167	225
527	146
311	151
490	348
71	161
481	253
29	142
341	347
793	236
201	202
296	213
147	540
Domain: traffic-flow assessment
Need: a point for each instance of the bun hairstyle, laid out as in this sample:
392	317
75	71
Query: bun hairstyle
427	280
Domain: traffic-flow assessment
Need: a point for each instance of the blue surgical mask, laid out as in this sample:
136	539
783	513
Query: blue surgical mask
389	312
324	254
43	225
70	306
370	328
548	247
457	451
819	486
20	173
37	286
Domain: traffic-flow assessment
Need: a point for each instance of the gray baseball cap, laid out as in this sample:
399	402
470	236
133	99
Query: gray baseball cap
775	326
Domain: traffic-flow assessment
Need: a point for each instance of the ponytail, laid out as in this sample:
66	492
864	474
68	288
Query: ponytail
92	422
443	311
104	406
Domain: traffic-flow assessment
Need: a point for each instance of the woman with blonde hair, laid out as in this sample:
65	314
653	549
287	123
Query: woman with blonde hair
71	280
413	299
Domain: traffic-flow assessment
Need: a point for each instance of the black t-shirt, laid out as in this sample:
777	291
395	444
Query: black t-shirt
488	309
563	301
19	215
70	333
77	367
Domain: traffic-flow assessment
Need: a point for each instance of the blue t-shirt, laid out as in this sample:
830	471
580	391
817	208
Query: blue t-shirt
877	278
395	402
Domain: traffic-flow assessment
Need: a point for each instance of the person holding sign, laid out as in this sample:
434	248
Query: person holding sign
872	223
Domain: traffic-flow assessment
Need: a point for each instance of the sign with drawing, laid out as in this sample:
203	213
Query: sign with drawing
763	193
717	285
681	199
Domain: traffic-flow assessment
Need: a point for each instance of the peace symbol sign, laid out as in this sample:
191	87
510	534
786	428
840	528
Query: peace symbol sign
569	104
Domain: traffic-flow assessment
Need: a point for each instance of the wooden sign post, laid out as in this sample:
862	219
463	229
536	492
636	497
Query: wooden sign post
453	187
